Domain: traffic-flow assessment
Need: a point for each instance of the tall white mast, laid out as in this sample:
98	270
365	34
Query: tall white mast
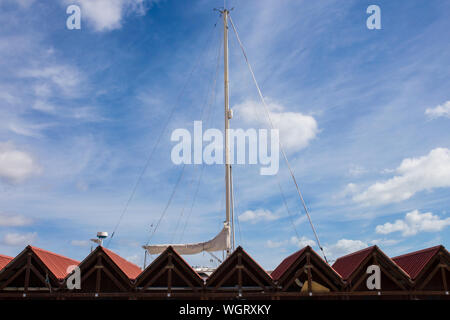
224	240
227	118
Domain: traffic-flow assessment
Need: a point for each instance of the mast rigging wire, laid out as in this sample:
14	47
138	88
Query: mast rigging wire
281	146
147	163
206	109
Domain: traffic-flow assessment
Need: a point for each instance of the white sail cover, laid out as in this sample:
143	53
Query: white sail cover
218	243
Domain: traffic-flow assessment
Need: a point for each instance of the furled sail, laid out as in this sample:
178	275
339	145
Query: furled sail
218	243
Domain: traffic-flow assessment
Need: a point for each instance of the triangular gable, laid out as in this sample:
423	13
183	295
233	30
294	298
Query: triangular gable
35	269
240	273
429	268
305	269
103	271
169	272
354	270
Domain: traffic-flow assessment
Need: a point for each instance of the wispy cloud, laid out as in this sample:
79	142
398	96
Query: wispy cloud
19	239
56	79
14	220
258	215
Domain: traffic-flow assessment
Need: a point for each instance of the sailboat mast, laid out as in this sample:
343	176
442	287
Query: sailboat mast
227	118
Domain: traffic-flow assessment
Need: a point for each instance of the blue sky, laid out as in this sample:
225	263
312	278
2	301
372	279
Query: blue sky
80	111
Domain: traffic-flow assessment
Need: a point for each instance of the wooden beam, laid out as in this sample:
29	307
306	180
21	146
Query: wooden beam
27	272
239	271
296	275
182	276
308	268
428	279
87	274
150	282
11	279
390	276
293	267
357	284
324	278
40	277
169	276
228	275
116	281
252	276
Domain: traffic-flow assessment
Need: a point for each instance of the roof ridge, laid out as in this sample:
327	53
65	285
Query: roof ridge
118	255
356	252
52	253
283	264
418	252
5	256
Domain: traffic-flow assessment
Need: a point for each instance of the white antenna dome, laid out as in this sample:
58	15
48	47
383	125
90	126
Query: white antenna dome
102	235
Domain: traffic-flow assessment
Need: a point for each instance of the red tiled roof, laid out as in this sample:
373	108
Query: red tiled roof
286	264
346	265
414	262
4	260
130	269
56	263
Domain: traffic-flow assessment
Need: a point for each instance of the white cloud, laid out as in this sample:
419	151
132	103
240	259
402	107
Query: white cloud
302	242
296	129
8	220
16	166
349	189
80	243
442	110
343	247
105	15
355	170
19	239
414	175
413	223
275	244
258	215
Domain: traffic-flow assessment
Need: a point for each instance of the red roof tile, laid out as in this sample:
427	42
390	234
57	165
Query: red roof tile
286	264
414	262
4	260
346	265
56	263
130	269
